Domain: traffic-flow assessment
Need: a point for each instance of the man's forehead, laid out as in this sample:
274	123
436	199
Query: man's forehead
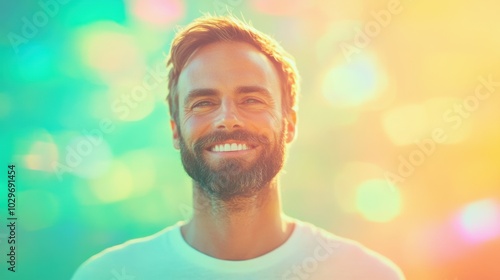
222	49
228	64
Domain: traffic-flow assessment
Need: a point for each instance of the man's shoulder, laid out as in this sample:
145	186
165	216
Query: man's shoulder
349	257
117	259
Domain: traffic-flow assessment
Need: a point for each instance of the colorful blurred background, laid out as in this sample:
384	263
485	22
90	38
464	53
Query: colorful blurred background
399	127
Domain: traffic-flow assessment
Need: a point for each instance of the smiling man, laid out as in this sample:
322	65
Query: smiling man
232	99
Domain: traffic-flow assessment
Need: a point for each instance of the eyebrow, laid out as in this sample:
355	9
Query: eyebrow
250	89
200	92
203	92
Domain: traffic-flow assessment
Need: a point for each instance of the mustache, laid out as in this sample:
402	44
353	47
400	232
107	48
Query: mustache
237	135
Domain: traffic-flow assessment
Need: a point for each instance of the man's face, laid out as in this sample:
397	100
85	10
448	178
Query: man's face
232	131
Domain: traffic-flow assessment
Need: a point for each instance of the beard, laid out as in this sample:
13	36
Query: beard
234	177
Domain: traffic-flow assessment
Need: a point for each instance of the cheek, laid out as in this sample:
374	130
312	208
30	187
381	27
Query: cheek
192	128
276	118
270	126
268	118
274	121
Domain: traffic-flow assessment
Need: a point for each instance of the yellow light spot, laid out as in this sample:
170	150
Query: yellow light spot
41	156
115	185
347	180
37	151
144	173
377	202
110	51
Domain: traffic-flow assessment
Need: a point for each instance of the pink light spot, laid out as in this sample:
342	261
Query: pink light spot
480	221
157	12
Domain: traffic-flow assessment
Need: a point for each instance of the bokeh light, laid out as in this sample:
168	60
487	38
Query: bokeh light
480	221
377	201
114	185
145	167
347	180
352	83
110	51
160	13
86	156
38	150
41	156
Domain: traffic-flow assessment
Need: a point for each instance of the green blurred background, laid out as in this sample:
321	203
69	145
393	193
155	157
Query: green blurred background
398	143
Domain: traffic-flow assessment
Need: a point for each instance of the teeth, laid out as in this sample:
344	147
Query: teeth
229	147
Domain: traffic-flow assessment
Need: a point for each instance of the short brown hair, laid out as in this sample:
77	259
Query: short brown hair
211	29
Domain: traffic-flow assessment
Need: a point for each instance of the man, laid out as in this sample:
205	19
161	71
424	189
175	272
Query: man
232	102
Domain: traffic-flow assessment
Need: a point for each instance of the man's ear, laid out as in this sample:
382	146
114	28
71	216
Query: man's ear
291	125
175	134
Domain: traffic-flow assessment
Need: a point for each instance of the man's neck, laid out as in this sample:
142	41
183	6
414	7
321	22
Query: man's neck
239	229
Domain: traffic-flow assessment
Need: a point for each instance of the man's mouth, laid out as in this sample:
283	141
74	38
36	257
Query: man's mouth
231	146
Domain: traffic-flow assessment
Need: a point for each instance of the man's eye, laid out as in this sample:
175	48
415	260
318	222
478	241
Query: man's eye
202	104
252	100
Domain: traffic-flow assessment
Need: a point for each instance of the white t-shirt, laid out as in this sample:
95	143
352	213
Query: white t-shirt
309	253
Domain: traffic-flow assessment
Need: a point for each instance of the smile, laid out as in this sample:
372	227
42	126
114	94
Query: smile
231	147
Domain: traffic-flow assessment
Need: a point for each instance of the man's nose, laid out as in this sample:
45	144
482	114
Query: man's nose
228	117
